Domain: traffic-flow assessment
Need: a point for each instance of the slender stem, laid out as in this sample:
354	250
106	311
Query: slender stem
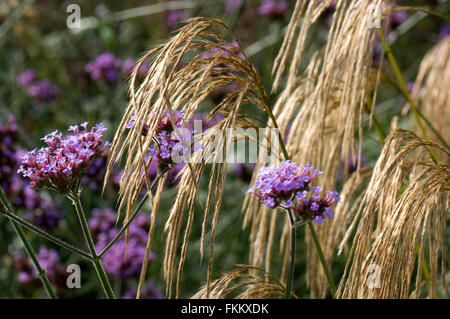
41	272
322	260
404	89
124	228
280	138
45	235
29	249
313	232
376	122
292	237
132	217
424	118
75	197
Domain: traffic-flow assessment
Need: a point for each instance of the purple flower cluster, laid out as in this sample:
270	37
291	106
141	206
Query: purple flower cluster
25	78
313	207
224	49
40	210
40	90
48	260
444	31
232	6
128	65
106	66
289	186
273	9
174	16
122	260
64	161
353	162
96	172
170	138
151	291
110	68
172	177
244	171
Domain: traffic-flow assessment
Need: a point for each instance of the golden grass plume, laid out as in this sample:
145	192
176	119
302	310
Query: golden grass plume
400	223
321	109
240	283
184	71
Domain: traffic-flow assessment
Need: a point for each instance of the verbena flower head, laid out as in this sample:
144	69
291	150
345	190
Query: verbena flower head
232	6
169	139
226	50
43	90
48	260
62	163
129	63
38	209
25	78
273	8
311	206
150	291
174	16
106	66
289	186
444	31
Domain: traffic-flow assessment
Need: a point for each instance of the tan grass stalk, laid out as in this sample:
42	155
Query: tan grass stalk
242	284
323	106
181	78
399	223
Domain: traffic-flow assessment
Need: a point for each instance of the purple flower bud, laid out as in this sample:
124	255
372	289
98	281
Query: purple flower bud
25	78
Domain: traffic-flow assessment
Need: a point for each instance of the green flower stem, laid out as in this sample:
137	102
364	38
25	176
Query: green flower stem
323	262
44	234
404	89
376	122
29	249
75	197
424	118
132	217
124	228
291	262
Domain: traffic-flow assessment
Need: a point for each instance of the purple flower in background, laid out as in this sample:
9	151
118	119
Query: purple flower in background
170	138
444	31
273	8
172	178
43	90
353	162
289	185
244	171
25	78
174	16
116	262
202	120
45	214
40	90
48	260
39	210
151	291
64	161
226	50
106	66
397	18
128	66
232	6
